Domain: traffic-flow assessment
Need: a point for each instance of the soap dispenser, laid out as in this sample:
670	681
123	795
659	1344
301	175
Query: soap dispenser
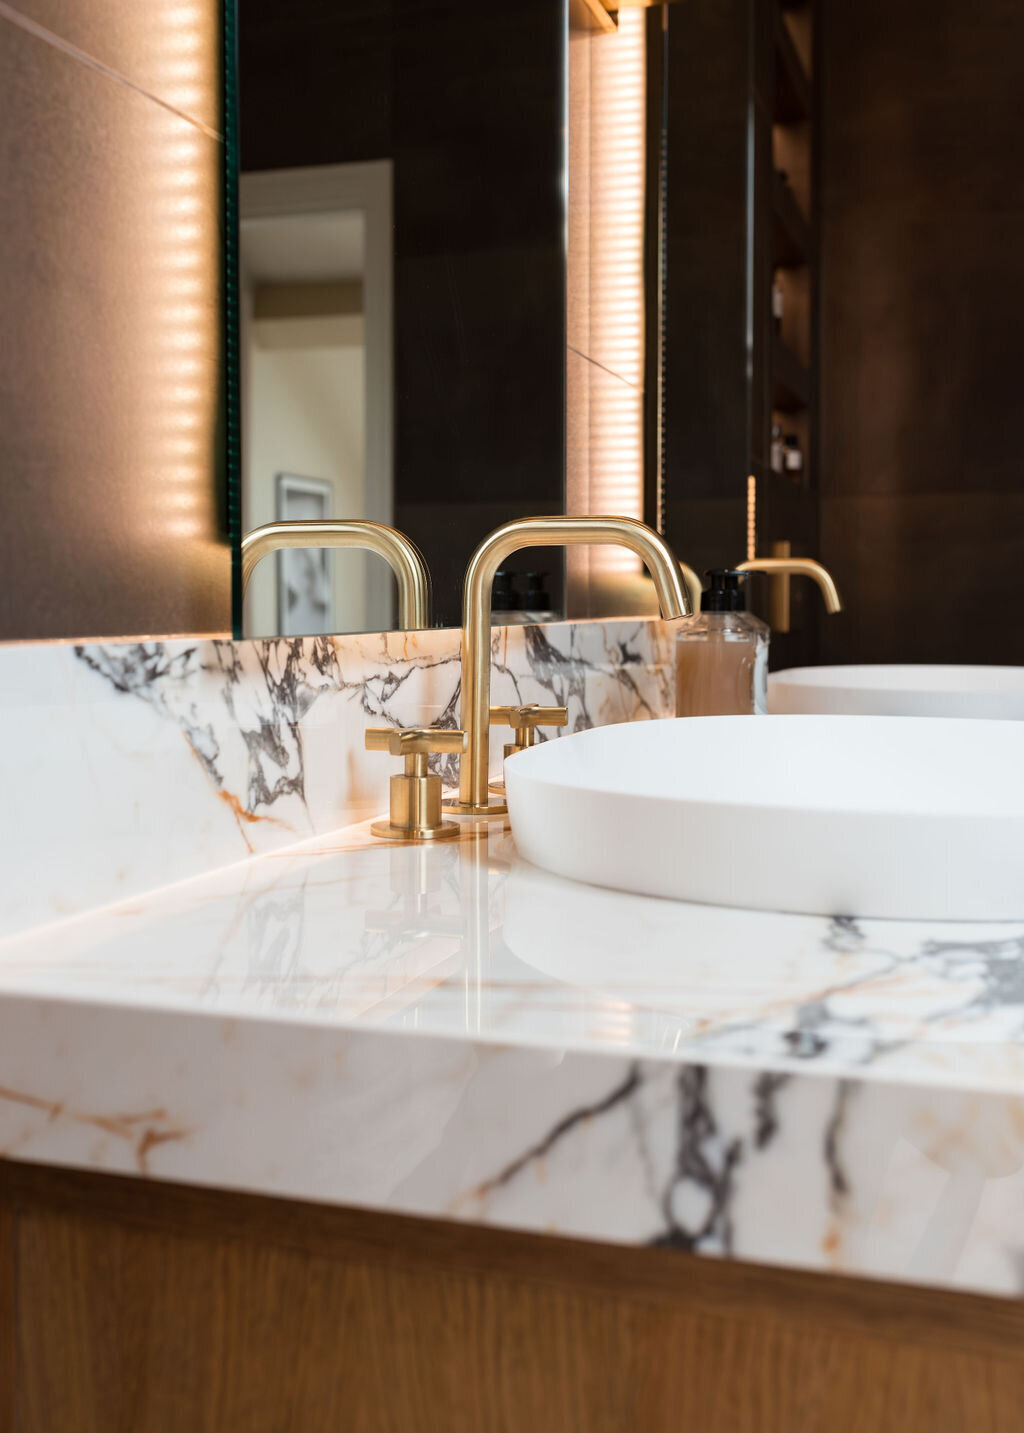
722	653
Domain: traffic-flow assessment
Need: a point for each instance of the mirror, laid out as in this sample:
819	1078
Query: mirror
772	266
402	256
748	269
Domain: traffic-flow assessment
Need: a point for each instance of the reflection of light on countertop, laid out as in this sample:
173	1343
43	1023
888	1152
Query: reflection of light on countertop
614	1023
469	940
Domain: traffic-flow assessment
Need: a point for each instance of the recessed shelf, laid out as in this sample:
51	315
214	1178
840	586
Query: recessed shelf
792	87
791	383
791	234
597	16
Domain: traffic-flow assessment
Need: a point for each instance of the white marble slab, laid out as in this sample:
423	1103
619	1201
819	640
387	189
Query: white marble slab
449	1032
126	765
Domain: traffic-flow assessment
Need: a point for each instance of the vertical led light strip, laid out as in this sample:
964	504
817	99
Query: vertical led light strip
175	289
183	212
616	348
605	291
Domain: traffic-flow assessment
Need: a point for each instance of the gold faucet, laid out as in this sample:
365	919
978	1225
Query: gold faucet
780	567
476	621
400	552
416	792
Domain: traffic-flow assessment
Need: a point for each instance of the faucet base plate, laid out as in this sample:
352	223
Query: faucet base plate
447	831
454	807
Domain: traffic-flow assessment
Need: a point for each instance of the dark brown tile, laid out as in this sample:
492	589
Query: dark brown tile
925	578
315	81
480	377
478	124
922	215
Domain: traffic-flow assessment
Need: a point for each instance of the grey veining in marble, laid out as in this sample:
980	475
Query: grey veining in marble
450	1032
129	764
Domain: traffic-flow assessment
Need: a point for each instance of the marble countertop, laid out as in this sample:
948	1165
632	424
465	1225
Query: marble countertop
446	1031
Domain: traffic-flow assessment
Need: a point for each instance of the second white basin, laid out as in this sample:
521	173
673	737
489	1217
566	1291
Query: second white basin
858	816
915	690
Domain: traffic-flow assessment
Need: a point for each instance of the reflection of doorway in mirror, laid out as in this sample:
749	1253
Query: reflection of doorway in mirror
305	606
316	387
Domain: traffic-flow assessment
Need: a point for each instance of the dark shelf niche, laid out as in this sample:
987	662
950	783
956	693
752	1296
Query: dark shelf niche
791	235
787	498
792	87
791	383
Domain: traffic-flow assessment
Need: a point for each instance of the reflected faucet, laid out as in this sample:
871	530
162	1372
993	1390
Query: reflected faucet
628	532
398	551
780	567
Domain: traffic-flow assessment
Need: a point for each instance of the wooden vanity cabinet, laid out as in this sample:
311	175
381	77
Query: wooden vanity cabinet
128	1306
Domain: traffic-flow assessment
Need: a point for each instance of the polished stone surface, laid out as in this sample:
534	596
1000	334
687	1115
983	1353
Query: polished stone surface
449	1032
129	764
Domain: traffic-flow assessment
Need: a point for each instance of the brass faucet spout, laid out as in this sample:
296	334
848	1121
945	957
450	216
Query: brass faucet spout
567	531
397	550
799	567
781	566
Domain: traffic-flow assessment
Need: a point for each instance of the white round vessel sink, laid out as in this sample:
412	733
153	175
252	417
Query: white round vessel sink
988	692
828	815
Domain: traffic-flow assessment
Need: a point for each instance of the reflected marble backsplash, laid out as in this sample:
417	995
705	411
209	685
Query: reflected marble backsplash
128	765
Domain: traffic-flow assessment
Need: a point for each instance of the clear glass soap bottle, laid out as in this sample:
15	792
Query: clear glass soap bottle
722	653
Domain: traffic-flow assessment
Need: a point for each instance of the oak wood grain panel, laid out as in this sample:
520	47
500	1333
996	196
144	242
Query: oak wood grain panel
7	1322
159	1309
963	1321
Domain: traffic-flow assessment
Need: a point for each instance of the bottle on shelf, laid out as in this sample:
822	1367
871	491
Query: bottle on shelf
778	302
793	456
778	450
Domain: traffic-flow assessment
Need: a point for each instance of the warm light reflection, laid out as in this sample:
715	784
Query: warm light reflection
607	144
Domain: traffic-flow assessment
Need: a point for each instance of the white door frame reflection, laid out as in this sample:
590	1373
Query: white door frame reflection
324	228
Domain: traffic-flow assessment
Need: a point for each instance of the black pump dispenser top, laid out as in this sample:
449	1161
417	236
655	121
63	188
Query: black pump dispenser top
504	596
725	592
537	598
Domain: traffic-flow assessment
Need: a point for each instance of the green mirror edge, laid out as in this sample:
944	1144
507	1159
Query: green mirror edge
230	354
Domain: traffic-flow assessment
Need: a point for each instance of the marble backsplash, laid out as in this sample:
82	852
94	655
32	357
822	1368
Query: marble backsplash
133	764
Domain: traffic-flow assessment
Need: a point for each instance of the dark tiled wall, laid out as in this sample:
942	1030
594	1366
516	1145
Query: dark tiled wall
113	508
466	100
923	329
708	433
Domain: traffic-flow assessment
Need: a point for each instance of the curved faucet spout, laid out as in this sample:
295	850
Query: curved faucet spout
798	567
565	531
779	569
398	551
